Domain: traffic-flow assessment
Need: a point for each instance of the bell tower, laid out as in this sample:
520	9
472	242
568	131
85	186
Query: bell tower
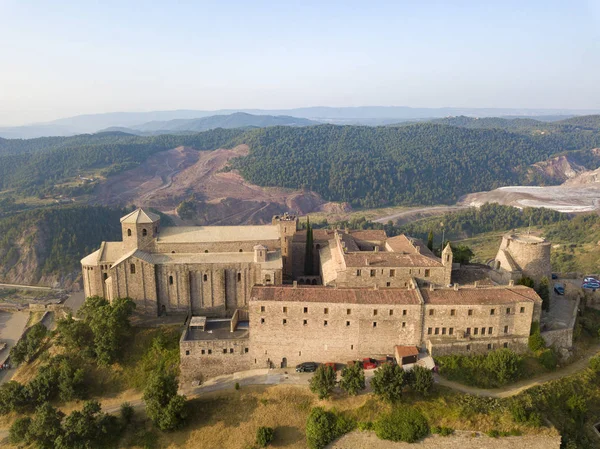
447	258
140	229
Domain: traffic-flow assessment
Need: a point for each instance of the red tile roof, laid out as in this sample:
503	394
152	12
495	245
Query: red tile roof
406	351
385	259
335	295
479	295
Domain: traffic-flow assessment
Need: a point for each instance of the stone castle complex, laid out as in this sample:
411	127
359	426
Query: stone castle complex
252	306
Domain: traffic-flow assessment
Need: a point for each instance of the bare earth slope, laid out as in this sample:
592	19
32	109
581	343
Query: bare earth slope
170	177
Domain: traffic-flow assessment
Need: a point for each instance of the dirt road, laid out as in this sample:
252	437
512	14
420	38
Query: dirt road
416	214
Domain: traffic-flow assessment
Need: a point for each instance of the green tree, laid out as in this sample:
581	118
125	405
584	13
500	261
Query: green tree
19	431
264	436
430	240
29	345
13	397
535	342
45	426
544	291
578	408
421	380
323	381
389	381
353	379
75	335
402	424
526	281
127	412
164	406
505	364
309	250
324	426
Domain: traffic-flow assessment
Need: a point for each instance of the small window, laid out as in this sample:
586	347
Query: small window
505	344
239	277
437	331
403	323
351	347
325	323
427	271
203	352
305	322
373	273
391	312
392	273
429	330
506	329
470	312
187	352
453	312
306	310
205	250
144	232
492	311
348	311
284	321
468	331
483	331
325	310
170	280
522	309
132	268
129	233
508	310
262	308
443	331
347	323
231	350
246	350
450	331
358	272
241	250
374	312
490	346
490	330
210	351
404	312
475	330
468	347
430	312
262	321
205	277
224	350
388	284
285	310
374	323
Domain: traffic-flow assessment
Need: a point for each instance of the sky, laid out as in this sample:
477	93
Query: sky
64	58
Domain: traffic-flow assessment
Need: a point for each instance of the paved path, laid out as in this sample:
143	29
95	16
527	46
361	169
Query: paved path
12	326
26	287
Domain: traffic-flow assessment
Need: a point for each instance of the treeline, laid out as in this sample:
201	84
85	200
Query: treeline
36	164
417	164
57	238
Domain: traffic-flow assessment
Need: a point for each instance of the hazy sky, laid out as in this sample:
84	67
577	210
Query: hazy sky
62	58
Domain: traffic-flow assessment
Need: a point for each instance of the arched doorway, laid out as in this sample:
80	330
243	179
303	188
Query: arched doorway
284	362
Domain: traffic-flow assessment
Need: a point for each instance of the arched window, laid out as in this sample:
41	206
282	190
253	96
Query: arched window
129	233
170	280
241	250
144	232
105	276
205	250
132	268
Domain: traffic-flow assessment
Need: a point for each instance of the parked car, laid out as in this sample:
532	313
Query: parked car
306	367
559	289
593	285
554	276
369	363
590	279
332	365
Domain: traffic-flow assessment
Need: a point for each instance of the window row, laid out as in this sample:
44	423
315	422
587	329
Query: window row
375	312
325	322
392	272
209	351
508	311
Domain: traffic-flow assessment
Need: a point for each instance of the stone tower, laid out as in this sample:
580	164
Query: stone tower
447	258
288	226
140	229
523	255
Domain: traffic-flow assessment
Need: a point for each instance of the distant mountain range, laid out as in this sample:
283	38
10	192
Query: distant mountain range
364	115
235	120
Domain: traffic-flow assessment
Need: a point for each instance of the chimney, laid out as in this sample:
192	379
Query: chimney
295	284
431	287
367	262
376	249
375	287
456	286
476	284
511	283
418	248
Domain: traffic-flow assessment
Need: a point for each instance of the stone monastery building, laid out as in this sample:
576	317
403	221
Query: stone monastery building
250	305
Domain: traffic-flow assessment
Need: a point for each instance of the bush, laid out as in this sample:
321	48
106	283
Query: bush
442	430
13	397
323	426
548	359
353	379
127	412
237	386
27	347
323	381
164	406
505	364
594	364
402	424
19	431
493	433
389	381
264	436
421	380
536	342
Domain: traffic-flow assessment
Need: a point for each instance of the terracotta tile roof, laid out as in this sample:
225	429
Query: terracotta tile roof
140	216
369	234
403	244
335	295
385	259
320	235
479	295
406	351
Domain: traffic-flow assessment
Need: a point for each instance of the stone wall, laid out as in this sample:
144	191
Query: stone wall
247	246
368	276
475	346
135	278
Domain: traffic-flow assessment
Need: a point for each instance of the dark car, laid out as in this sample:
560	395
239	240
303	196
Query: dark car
554	276
306	367
559	289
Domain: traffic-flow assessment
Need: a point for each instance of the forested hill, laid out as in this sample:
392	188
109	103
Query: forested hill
46	245
417	164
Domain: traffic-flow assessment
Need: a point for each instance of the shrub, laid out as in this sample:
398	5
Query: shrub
493	433
505	364
27	347
421	380
594	364
323	426
353	379
536	342
365	426
402	424
127	412
264	436
237	386
388	382
323	381
548	359
19	431
164	406
13	397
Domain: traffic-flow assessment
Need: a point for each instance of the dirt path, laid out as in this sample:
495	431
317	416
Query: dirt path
415	214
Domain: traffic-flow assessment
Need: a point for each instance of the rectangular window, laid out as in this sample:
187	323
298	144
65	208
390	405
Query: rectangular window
430	312
203	351
347	323
427	272
372	273
392	273
262	320
522	309
246	350
437	331
239	277
404	312
450	331
388	284
475	330
224	350
506	329
403	323
262	308
305	322
374	312
358	272
187	352
443	331
483	331
429	330
508	310
351	346
468	331
490	330
505	344
284	321
325	310
391	312
470	312
325	323
468	347
492	311
374	323
348	311
132	268
452	312
210	351
285	310
306	310
489	346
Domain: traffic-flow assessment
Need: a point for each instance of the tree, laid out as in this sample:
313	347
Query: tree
323	381
75	335
353	379
264	436
13	397
29	345
421	379
402	424
163	405
505	364
19	431
324	426
536	341
309	250
46	427
389	381
462	254
544	291
526	281
577	406
430	240
127	412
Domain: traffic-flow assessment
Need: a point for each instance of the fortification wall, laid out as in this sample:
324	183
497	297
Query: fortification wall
531	254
